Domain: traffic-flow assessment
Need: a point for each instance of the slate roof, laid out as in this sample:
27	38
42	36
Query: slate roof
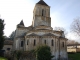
20	36
8	42
8	39
42	3
33	34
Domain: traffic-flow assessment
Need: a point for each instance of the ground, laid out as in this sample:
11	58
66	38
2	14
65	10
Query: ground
74	56
1	58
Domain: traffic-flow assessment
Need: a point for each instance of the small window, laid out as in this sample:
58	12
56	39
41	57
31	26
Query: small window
45	41
34	42
62	44
52	42
27	42
42	12
21	43
8	49
57	43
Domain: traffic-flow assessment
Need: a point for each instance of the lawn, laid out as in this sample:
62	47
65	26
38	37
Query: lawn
1	58
75	56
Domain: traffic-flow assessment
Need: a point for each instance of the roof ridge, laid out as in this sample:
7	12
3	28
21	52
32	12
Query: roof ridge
48	34
33	34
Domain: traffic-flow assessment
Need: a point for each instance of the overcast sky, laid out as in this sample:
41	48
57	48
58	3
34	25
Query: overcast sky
62	13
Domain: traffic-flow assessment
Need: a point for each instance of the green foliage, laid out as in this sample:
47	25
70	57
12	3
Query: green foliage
24	54
1	33
43	53
40	53
17	54
28	54
2	58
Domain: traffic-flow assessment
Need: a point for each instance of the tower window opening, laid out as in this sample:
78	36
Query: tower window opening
42	12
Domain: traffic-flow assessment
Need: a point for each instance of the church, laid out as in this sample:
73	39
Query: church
40	33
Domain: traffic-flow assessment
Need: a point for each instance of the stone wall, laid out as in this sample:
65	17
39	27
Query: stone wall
41	16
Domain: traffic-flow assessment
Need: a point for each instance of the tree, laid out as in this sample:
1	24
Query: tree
17	54
1	33
61	29
12	35
29	55
75	26
72	42
43	53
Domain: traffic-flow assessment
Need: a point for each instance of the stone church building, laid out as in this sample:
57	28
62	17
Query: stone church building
40	33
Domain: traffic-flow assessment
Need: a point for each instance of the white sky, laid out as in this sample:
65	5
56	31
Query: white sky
13	11
62	13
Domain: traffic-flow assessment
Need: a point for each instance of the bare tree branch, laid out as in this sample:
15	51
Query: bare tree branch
75	26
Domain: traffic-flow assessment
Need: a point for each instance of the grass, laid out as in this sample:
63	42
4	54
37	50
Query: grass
75	56
2	58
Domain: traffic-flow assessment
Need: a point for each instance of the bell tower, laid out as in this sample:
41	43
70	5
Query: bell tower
41	14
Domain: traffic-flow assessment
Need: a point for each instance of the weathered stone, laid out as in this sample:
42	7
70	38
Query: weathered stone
41	33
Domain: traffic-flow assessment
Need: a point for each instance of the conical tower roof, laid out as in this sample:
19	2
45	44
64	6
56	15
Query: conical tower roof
42	3
21	23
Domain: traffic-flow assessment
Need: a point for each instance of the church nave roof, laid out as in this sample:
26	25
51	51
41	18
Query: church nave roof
33	34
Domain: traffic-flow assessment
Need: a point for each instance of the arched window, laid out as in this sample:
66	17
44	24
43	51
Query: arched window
34	42
52	42
27	42
21	43
45	41
62	44
42	12
57	43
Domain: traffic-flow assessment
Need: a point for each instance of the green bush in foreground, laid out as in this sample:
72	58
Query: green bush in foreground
2	58
40	53
43	53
